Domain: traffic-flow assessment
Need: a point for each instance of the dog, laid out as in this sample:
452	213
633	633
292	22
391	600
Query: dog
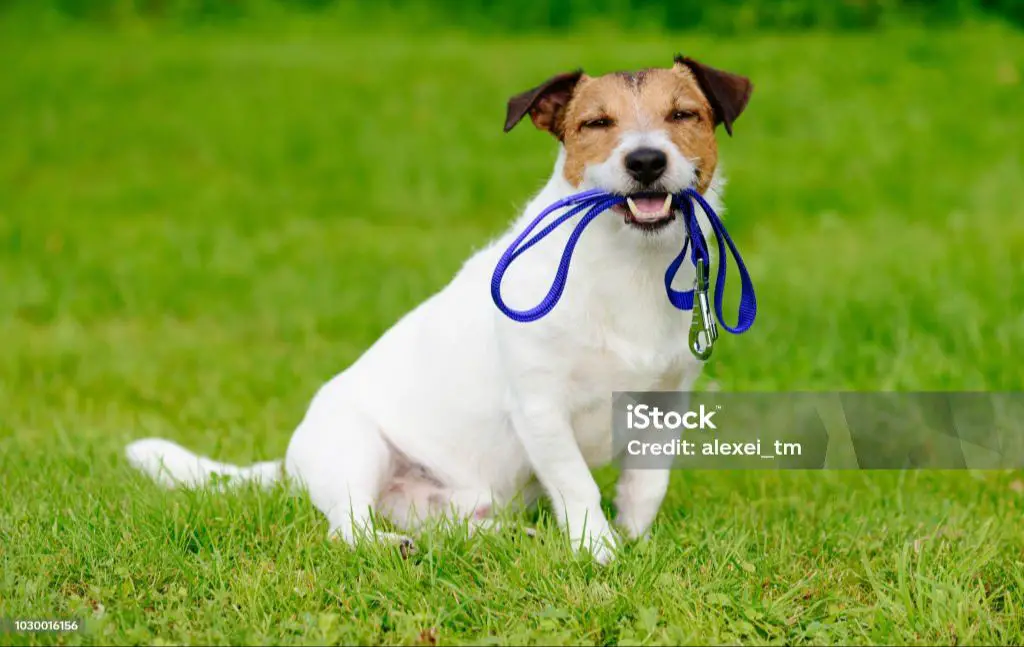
458	410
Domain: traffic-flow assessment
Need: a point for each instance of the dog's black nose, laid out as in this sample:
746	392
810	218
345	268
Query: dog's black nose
646	164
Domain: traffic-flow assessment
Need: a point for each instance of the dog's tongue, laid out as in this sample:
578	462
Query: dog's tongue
649	205
649	208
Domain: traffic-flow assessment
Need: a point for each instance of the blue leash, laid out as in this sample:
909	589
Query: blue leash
703	328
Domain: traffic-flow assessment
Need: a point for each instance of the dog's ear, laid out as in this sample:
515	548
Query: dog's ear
545	103
727	93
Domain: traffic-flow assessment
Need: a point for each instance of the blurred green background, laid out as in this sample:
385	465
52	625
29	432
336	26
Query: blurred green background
532	15
209	208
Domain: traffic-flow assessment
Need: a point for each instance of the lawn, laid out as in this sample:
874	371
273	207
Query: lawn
200	226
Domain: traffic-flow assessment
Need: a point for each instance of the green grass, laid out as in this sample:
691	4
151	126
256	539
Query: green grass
197	228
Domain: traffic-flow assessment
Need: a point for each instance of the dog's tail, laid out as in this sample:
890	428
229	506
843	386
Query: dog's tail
171	465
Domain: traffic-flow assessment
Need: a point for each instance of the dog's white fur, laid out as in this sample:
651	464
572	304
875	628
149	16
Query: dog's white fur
457	408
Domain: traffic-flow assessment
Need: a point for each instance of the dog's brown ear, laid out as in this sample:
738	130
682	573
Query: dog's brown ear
545	103
727	93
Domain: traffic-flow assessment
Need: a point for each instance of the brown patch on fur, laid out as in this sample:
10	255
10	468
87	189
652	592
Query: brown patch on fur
635	104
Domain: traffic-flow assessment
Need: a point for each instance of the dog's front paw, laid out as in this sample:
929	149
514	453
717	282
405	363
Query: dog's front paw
601	543
633	527
640	493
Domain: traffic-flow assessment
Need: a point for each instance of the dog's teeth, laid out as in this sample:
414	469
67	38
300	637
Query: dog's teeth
632	206
667	206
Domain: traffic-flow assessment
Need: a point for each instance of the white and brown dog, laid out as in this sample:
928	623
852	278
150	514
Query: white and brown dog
457	409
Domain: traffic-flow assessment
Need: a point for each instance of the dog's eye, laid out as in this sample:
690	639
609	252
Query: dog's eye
603	122
683	115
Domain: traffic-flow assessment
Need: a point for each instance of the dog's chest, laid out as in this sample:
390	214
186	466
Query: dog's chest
638	349
621	361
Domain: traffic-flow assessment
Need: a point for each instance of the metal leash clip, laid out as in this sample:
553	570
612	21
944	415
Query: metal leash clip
703	327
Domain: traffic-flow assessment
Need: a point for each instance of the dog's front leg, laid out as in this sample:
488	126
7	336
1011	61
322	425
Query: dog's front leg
640	492
638	499
547	435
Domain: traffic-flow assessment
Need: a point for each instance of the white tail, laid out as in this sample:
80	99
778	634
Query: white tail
171	465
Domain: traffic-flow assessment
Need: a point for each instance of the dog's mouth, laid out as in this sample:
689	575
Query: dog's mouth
646	211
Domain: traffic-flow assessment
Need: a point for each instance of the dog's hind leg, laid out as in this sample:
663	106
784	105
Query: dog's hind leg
343	461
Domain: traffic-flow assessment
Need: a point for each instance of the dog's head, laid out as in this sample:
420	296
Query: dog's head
644	134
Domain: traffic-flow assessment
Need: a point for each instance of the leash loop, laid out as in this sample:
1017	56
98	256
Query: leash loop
598	201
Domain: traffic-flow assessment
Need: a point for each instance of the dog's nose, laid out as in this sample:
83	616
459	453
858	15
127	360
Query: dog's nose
646	164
